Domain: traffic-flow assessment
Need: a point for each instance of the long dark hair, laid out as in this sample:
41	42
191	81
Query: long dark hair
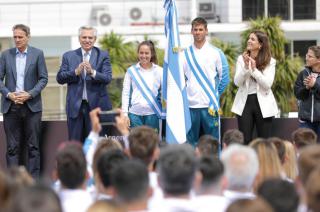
264	55
150	44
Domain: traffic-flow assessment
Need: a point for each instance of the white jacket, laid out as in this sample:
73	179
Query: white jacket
264	80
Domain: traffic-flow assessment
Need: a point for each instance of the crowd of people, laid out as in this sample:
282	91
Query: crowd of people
140	172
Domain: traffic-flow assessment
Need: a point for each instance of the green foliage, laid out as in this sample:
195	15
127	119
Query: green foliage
231	52
122	54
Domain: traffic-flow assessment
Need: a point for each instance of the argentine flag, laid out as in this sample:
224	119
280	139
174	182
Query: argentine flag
174	88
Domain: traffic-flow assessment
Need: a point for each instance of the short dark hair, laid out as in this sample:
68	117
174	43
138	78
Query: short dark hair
280	194
199	21
130	180
106	164
143	141
36	198
176	169
233	136
22	27
211	169
304	136
71	165
208	146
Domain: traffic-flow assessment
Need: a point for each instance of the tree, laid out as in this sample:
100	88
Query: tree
122	54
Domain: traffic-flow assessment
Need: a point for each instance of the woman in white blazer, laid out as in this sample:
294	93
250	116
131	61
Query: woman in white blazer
254	103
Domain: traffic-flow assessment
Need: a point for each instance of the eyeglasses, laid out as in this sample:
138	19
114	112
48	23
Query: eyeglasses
310	56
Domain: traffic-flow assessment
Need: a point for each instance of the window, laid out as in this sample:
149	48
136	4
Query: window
279	8
301	47
303	9
252	9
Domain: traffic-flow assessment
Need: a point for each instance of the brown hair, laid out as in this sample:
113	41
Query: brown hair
303	137
199	21
313	190
264	55
315	50
309	158
143	141
249	205
150	44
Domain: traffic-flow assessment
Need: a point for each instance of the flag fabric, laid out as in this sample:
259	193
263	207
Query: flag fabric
174	92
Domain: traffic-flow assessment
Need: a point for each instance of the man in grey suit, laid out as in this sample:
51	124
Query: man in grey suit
23	75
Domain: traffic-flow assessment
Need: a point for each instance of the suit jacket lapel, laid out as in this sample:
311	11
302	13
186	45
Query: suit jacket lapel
29	60
93	57
13	62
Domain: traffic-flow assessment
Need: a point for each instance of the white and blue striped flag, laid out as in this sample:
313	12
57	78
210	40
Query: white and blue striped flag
174	88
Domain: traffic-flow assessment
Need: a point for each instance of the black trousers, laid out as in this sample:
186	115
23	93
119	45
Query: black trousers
22	128
252	117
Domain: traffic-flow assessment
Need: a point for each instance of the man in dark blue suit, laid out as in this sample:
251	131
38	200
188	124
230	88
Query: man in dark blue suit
23	75
87	71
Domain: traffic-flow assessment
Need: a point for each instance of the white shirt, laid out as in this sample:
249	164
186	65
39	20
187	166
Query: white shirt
75	200
139	105
210	61
204	203
232	196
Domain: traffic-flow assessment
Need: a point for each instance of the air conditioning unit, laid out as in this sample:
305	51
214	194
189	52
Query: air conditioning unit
103	18
135	13
207	9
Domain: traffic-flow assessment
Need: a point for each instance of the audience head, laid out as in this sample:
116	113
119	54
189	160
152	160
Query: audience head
19	178
232	136
143	144
176	167
211	170
309	159
130	180
280	194
249	205
303	137
71	165
269	163
313	190
241	167
290	164
104	145
5	191
208	146
106	164
36	198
